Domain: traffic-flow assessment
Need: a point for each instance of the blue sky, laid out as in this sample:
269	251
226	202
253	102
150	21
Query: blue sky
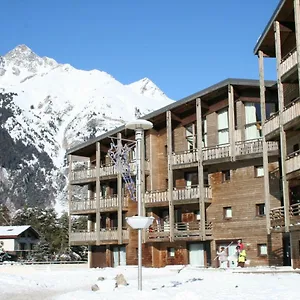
183	46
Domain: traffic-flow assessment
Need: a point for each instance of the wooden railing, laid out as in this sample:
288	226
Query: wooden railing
78	204
271	124
181	230
192	192
291	111
83	174
107	234
292	163
185	157
85	204
288	62
277	215
216	152
179	194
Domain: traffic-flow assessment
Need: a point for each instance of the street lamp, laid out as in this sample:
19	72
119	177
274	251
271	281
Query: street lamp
139	222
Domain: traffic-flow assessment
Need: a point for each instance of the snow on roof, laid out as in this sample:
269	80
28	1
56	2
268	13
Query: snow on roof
12	230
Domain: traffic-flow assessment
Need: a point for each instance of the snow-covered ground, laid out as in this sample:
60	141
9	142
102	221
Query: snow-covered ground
74	282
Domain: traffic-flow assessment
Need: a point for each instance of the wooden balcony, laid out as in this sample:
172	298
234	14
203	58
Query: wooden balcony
216	152
106	235
182	231
292	163
89	174
271	125
288	62
277	216
180	196
87	205
291	112
253	147
185	157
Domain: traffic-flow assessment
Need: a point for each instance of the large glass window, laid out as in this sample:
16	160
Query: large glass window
223	128
191	135
253	128
204	132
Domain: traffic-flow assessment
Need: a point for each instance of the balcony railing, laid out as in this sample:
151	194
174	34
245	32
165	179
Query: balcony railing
185	157
277	216
181	230
292	162
216	152
90	204
83	174
271	124
192	192
179	194
108	234
291	111
288	62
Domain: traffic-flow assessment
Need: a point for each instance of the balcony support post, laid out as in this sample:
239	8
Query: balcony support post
297	31
119	197
264	143
285	188
200	169
70	191
231	121
170	174
98	193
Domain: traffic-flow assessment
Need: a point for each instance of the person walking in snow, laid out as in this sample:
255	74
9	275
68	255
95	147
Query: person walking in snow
223	258
241	256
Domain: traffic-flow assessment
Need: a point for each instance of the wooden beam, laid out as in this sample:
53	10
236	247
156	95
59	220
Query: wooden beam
231	121
287	26
200	170
170	174
98	193
119	195
297	30
286	201
175	118
265	145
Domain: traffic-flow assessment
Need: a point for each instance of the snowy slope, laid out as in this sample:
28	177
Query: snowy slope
60	106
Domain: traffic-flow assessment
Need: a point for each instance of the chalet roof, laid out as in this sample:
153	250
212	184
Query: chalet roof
14	231
283	14
208	93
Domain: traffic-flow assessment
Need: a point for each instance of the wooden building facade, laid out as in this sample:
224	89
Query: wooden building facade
203	181
281	40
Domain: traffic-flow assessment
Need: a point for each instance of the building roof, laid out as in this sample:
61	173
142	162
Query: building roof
266	41
13	231
205	92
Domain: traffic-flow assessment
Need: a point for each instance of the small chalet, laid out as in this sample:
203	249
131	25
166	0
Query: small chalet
18	240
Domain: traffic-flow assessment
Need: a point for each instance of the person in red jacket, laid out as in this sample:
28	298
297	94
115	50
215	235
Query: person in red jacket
241	245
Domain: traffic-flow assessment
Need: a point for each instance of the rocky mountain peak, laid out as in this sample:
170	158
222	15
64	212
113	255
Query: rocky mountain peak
22	57
147	88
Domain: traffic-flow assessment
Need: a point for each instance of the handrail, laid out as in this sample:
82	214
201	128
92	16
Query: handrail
291	103
291	52
293	154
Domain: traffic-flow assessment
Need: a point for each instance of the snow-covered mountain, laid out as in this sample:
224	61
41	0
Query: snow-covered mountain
47	107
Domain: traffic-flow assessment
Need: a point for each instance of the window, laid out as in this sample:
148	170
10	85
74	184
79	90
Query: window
295	147
190	134
259	171
191	179
262	249
223	128
225	175
260	209
204	132
227	212
171	252
253	119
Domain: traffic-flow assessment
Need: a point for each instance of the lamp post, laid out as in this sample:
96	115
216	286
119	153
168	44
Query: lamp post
139	222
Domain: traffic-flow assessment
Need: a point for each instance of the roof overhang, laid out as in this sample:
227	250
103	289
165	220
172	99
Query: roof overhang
283	14
206	95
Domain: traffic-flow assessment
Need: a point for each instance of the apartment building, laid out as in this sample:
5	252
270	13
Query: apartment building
281	40
203	182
